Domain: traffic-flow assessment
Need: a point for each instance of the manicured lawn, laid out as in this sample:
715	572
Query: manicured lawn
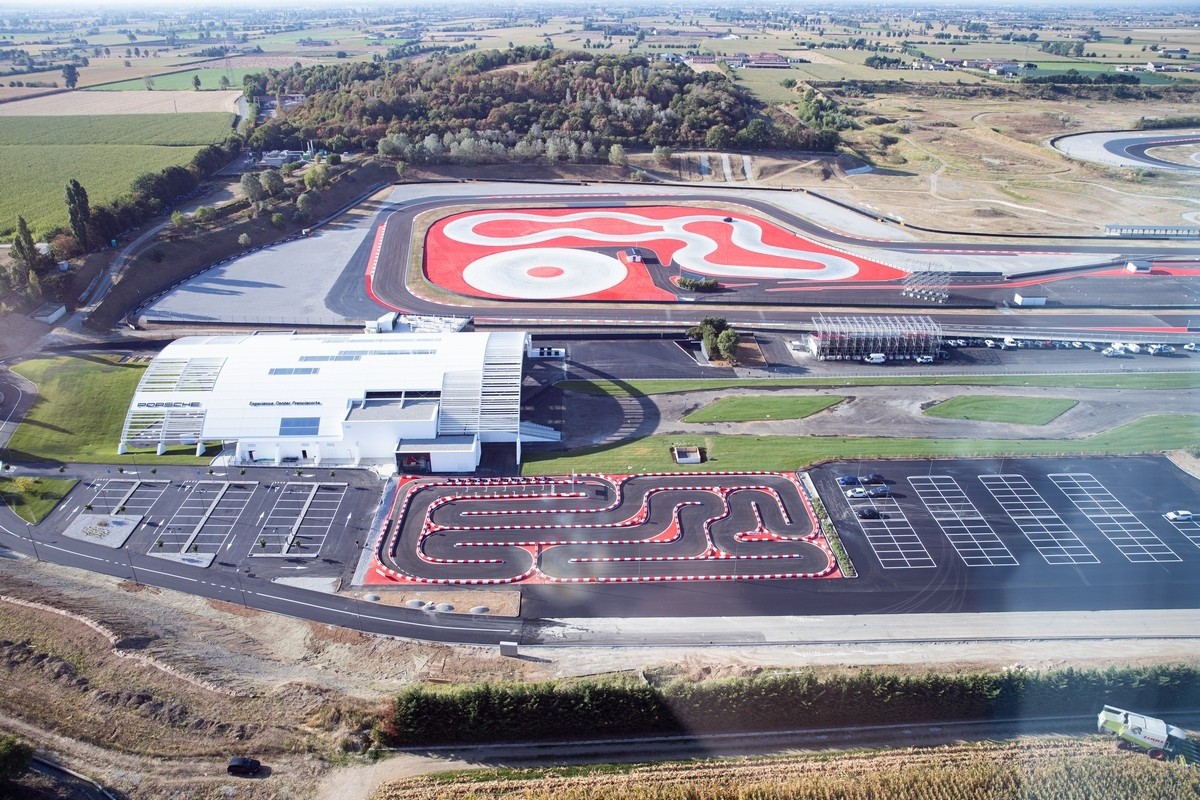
33	498
747	409
652	454
1154	380
1018	410
79	413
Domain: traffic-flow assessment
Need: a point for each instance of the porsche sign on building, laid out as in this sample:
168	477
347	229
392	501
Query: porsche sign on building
425	401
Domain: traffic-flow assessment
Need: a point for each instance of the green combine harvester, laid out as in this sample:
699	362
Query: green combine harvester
1148	735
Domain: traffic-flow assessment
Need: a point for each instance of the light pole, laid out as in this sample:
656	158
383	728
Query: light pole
132	570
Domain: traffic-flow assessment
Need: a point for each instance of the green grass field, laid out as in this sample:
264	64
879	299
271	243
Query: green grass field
39	155
748	409
1161	380
652	454
1017	410
79	413
34	502
210	78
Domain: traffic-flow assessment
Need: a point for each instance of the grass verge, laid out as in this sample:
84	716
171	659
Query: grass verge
749	409
80	411
1018	410
1157	380
731	452
31	498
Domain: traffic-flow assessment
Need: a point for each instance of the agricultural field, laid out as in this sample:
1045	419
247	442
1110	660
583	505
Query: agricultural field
1058	767
94	104
39	155
210	78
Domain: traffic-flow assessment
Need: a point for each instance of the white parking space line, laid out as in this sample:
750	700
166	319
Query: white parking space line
893	539
180	533
299	522
1128	533
970	534
1190	528
1044	529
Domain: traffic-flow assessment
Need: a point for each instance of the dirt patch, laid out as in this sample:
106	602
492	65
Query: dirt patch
497	603
749	354
82	103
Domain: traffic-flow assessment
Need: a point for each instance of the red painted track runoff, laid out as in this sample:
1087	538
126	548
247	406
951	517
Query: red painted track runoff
523	253
597	529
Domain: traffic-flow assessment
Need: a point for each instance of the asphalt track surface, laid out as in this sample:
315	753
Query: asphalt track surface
600	529
986	552
390	289
1136	149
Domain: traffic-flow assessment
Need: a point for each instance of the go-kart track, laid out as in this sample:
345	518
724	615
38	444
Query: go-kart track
598	529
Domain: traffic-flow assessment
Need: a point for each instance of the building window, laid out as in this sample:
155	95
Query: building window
293	371
299	426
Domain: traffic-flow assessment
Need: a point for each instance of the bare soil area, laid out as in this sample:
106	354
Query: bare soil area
81	103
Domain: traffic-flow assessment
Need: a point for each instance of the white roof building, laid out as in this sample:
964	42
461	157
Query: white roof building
426	400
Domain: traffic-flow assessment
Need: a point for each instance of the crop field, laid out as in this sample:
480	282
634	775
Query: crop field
210	78
1067	769
66	104
39	155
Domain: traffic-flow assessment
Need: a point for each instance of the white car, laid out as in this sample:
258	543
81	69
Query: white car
924	359
1190	347
1179	516
857	491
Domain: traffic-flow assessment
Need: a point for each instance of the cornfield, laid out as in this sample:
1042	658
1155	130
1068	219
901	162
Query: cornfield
1029	769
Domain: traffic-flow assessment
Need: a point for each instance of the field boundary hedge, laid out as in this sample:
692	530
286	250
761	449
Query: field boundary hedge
589	709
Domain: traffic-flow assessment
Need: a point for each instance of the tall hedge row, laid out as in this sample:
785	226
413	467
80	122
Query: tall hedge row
594	709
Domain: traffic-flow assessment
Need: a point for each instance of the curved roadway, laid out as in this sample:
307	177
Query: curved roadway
1127	148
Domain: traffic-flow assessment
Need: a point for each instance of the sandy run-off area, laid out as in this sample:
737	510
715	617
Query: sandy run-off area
68	104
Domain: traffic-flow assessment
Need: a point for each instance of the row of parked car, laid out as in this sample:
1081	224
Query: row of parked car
865	486
1115	348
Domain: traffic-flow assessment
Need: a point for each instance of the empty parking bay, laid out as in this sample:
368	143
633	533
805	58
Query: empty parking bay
205	519
300	520
1044	529
893	539
1190	528
1129	534
970	534
130	494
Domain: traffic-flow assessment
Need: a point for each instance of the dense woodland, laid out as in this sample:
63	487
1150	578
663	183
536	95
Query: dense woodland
525	103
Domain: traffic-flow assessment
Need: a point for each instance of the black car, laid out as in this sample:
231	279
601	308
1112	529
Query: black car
879	491
241	765
868	512
874	477
848	480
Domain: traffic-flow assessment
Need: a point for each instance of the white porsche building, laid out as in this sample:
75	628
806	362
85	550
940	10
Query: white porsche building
423	401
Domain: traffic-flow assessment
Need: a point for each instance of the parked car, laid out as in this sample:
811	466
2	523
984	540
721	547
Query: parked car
848	480
1179	516
857	491
873	477
924	359
1090	346
1191	347
868	512
879	491
241	765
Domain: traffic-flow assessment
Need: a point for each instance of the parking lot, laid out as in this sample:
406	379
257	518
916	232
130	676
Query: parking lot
195	521
1083	530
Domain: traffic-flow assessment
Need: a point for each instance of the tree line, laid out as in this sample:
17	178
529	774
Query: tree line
784	701
571	97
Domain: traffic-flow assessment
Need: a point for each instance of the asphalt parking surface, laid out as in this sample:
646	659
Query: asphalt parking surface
967	535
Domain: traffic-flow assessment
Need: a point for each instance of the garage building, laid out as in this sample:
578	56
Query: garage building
425	401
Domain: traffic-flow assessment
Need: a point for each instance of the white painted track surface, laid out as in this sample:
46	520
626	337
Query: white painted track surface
545	273
1091	146
696	255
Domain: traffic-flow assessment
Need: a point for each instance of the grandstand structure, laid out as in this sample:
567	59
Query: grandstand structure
855	338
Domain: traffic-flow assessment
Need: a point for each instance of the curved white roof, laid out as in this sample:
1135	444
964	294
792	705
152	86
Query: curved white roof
264	385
